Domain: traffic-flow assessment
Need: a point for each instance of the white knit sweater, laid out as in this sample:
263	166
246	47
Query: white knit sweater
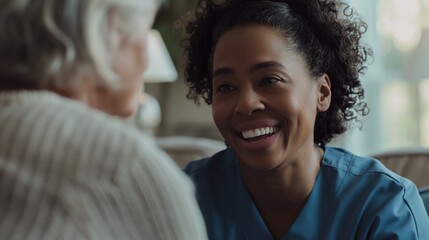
71	172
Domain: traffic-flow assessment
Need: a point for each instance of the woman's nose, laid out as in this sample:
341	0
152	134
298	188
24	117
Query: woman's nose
248	102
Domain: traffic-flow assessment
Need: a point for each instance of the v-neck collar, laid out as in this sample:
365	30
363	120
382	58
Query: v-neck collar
248	216
305	225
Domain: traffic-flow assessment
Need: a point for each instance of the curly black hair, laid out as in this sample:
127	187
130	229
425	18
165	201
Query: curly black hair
325	32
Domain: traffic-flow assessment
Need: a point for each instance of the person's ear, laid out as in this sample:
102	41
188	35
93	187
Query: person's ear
324	93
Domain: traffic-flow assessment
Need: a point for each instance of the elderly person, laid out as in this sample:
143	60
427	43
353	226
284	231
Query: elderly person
70	169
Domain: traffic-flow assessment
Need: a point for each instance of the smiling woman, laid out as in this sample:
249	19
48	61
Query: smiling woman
283	80
258	84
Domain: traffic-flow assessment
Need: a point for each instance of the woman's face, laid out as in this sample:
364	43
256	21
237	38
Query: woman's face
265	100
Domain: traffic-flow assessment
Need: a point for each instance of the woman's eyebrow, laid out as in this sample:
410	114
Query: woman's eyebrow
258	66
222	71
267	64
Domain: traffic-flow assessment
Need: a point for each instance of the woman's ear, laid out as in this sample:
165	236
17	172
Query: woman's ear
324	93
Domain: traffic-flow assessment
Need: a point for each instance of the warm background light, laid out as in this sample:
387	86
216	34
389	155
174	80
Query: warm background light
160	69
160	66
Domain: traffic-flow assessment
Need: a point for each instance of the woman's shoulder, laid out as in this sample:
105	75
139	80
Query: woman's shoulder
358	166
382	195
368	179
365	176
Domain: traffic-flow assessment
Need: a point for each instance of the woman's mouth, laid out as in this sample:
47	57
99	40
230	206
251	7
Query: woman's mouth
258	133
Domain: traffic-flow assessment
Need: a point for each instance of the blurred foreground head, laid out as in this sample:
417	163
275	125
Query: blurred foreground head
90	50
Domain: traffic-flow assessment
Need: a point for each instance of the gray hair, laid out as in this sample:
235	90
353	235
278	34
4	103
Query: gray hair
47	43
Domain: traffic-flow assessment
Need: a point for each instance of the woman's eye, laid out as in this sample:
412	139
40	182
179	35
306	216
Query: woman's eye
270	80
224	88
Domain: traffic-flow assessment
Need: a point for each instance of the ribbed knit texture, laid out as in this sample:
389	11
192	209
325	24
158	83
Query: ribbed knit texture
71	172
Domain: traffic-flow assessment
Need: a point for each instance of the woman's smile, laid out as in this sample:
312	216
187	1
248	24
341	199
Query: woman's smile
258	133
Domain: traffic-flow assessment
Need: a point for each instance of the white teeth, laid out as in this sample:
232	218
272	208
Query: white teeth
257	132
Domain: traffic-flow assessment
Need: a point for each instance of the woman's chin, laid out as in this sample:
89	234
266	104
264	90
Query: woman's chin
258	164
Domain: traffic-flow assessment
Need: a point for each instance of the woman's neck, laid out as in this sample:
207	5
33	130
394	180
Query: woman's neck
290	183
280	194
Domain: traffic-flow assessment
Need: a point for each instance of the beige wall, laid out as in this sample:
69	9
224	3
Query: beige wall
182	116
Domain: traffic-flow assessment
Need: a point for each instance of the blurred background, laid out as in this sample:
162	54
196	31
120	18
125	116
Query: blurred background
396	82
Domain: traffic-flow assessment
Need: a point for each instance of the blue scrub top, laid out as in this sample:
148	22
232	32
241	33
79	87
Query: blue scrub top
353	198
